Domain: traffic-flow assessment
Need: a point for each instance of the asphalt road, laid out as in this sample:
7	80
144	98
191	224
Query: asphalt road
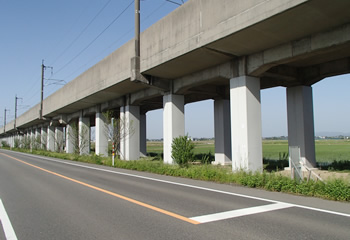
45	198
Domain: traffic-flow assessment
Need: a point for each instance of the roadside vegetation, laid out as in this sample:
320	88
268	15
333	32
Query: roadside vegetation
200	169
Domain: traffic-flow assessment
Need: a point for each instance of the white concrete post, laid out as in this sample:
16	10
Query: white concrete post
84	135
132	132
58	147
12	141
246	130
38	137
101	145
301	124
122	133
70	138
43	144
143	138
222	131
173	122
50	138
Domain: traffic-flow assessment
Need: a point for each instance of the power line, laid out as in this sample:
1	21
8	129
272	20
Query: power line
116	41
81	33
76	56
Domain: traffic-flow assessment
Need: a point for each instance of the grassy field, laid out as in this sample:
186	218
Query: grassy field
326	150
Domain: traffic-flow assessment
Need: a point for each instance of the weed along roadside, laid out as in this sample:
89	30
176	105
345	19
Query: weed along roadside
332	189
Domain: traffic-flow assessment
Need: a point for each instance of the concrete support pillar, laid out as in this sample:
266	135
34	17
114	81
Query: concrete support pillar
122	133
37	138
84	135
301	136
71	136
143	138
50	138
12	141
59	140
246	130
130	136
32	138
101	145
222	130
43	143
173	122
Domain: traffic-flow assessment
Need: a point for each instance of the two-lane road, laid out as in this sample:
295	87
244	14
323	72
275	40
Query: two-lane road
47	198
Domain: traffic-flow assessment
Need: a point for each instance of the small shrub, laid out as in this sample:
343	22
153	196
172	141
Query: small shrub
5	144
182	150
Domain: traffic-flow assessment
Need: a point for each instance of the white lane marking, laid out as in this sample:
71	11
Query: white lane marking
6	223
240	212
191	186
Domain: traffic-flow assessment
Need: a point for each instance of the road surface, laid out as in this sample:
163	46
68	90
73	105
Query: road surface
46	198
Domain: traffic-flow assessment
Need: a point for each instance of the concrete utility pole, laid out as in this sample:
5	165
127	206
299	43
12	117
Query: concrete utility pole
137	28
136	75
43	67
16	98
42	89
6	110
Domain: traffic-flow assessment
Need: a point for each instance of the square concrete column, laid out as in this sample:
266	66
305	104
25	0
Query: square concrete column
301	136
71	137
32	139
59	139
121	133
173	122
222	131
43	138
101	145
50	138
143	133
84	135
38	138
131	133
246	130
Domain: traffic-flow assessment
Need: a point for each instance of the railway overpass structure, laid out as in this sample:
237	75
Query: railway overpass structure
228	51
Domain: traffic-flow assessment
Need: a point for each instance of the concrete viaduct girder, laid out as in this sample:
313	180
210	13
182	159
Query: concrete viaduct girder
292	43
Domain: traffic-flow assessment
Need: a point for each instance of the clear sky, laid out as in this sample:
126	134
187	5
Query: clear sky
72	36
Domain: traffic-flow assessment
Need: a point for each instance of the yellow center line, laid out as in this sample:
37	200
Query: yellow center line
110	193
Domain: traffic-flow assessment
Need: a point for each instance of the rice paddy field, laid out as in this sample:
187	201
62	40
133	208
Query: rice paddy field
326	150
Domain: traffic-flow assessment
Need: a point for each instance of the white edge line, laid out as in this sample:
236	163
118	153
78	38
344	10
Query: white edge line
240	212
190	186
6	223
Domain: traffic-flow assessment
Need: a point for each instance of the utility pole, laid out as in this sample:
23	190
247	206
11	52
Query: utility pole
137	28
43	67
136	75
16	98
6	110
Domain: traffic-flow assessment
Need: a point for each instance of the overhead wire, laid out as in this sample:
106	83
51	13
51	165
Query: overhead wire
86	47
116	41
81	32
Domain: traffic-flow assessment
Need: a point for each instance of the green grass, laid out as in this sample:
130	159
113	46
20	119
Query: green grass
326	150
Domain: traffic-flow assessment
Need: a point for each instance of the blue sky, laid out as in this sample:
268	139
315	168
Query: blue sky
64	34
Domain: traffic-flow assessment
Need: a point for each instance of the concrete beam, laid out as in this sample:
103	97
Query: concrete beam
304	48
